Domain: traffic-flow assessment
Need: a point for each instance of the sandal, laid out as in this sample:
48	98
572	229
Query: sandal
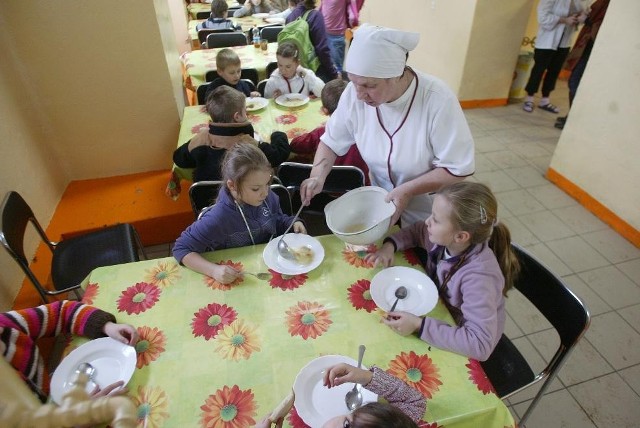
528	106
550	108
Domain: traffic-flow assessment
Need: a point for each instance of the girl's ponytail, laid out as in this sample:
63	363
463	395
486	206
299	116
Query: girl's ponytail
500	243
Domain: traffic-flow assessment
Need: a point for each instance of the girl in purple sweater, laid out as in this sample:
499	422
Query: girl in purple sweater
471	262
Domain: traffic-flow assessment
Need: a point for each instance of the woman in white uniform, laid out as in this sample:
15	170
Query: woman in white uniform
408	126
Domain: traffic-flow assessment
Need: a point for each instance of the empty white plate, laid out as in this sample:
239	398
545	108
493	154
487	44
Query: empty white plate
422	295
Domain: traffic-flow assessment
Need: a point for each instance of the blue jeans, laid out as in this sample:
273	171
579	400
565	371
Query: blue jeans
336	46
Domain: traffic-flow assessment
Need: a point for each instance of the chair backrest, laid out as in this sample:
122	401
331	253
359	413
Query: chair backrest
245	73
205	14
251	84
201	93
232	10
341	179
202	34
271	67
284	196
225	40
203	194
270	33
261	86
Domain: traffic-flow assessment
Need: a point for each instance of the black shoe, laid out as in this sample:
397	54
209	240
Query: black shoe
559	125
561	119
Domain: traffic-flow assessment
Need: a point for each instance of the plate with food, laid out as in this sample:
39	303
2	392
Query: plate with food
256	103
308	252
421	293
275	20
292	100
260	15
314	402
112	360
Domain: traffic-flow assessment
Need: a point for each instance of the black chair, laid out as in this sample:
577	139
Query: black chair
201	93
202	34
261	86
270	33
205	14
203	194
271	67
507	369
226	40
245	73
340	180
232	10
285	198
73	258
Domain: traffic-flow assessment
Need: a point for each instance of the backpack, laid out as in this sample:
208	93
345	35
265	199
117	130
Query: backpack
297	32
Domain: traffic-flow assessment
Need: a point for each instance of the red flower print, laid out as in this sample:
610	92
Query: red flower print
229	408
286	282
308	319
199	127
479	377
203	109
150	346
224	287
419	371
360	296
90	293
356	258
287	119
208	321
138	298
411	257
295	420
423	424
295	132
254	118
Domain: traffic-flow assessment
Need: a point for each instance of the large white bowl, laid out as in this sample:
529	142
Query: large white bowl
360	216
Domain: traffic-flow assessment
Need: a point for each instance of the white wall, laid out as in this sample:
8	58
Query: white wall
599	149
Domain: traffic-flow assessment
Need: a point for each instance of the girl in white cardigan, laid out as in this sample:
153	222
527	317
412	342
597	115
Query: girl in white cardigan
291	77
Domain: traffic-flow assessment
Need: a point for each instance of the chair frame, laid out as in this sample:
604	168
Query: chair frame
261	86
270	32
271	67
204	14
559	305
233	38
245	73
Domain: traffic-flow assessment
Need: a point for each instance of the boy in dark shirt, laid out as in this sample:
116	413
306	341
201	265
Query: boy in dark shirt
229	68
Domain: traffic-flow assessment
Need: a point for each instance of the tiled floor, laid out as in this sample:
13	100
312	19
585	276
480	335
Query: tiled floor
600	384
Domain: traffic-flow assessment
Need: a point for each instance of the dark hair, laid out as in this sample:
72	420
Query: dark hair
241	160
219	8
308	4
474	209
223	102
331	93
288	50
375	415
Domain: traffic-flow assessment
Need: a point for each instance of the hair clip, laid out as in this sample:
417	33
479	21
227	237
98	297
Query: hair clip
483	215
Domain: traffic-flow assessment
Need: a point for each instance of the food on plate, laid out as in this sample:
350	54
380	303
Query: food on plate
251	106
303	255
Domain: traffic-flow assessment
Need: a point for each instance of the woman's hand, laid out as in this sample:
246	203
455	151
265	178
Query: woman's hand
402	323
309	188
124	333
224	274
345	373
383	257
116	388
298	227
400	199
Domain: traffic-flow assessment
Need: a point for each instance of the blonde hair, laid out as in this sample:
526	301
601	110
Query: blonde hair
227	57
224	102
241	160
474	209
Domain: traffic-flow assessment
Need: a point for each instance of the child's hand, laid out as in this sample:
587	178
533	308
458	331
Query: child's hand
224	274
383	257
255	94
298	227
345	373
116	388
277	93
402	323
124	333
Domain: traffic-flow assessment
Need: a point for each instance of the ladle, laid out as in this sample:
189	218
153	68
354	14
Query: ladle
283	248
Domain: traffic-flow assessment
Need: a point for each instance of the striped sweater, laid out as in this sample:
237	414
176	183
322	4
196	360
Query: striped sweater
20	329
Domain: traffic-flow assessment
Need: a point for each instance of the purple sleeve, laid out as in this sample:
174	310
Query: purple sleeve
398	393
318	36
200	236
415	235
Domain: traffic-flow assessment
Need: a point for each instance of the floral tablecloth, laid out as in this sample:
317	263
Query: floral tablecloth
197	63
272	118
225	355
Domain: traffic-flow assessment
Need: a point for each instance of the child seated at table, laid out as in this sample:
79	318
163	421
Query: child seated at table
253	6
305	145
291	77
405	405
218	19
20	329
229	126
229	69
246	212
471	261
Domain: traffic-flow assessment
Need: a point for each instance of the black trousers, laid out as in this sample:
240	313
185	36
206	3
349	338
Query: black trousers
550	61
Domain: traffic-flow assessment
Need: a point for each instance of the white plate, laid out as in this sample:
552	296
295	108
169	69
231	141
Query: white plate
275	20
256	103
275	261
422	295
292	100
112	360
260	15
315	403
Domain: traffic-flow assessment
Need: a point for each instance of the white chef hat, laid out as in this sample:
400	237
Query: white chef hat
379	52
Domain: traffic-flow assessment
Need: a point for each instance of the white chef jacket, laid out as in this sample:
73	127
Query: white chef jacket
435	134
551	33
299	85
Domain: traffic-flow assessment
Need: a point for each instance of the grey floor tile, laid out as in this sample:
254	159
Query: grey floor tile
615	340
518	202
579	219
631	314
483	163
551	197
556	410
546	226
549	259
519	232
526	176
487	143
530	149
609	401
631	269
506	159
577	254
590	298
511	329
631	375
613	246
498	181
541	163
612	286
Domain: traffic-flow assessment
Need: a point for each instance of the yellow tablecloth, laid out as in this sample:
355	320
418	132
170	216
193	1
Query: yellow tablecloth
197	63
224	356
265	122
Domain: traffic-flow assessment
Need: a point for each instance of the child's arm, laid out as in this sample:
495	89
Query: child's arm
182	157
384	256
307	143
245	10
224	274
278	150
271	88
313	82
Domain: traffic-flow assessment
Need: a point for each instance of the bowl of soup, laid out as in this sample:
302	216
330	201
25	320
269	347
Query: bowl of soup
360	216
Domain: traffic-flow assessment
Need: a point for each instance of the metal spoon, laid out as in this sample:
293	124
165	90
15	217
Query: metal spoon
265	276
283	248
353	399
401	293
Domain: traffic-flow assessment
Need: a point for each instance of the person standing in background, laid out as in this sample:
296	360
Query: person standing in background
557	21
334	13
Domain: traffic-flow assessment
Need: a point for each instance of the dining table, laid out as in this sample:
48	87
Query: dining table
265	121
194	8
246	23
225	355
